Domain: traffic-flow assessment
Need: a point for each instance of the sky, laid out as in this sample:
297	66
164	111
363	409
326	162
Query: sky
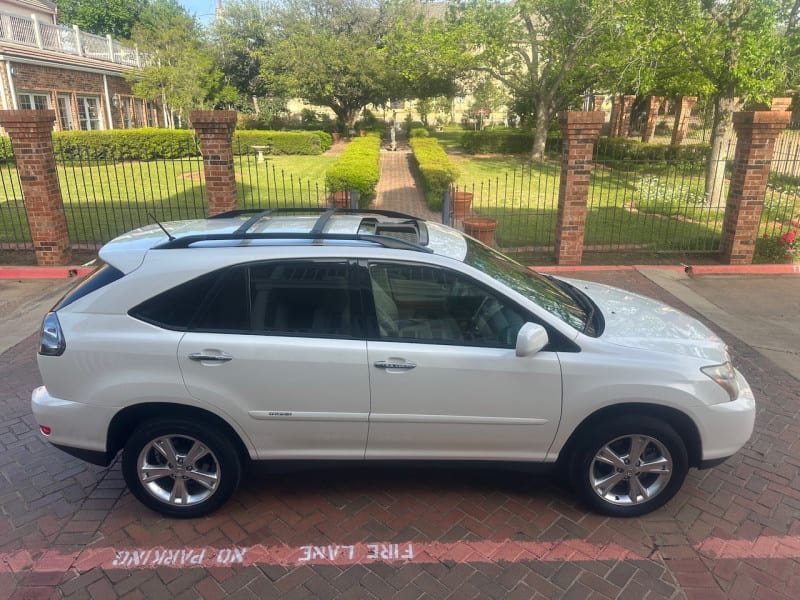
203	9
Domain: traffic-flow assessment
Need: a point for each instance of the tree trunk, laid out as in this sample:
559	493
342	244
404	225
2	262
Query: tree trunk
544	112
720	135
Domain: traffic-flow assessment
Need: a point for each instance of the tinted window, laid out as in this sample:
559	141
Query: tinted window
292	298
100	278
429	304
301	298
175	308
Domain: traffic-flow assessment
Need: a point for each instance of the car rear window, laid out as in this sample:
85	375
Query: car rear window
100	278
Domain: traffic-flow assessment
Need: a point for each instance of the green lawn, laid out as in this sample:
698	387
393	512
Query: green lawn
104	199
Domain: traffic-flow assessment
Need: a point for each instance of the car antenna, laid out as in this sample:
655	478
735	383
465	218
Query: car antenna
164	229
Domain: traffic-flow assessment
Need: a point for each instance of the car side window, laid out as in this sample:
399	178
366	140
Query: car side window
288	298
429	304
301	298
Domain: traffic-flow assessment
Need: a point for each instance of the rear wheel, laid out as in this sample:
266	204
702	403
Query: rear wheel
180	468
629	466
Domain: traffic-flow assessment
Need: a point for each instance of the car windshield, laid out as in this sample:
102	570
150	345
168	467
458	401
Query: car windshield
539	289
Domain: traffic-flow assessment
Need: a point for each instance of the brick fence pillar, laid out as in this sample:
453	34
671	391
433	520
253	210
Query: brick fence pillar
31	138
652	117
215	130
625	116
578	131
756	133
683	110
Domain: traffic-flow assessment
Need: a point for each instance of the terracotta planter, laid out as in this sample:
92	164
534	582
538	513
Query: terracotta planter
339	199
481	228
461	204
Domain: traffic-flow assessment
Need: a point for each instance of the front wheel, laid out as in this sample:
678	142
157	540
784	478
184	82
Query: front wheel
629	466
180	468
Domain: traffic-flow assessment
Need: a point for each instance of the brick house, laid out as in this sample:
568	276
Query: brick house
79	75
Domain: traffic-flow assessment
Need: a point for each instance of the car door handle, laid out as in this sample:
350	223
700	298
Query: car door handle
201	357
391	364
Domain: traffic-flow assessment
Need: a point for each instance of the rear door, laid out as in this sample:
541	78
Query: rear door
277	347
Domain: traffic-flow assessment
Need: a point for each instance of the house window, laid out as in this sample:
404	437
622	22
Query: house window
89	112
34	100
127	113
65	117
152	117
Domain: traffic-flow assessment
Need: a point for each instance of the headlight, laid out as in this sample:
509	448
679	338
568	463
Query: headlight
725	376
52	341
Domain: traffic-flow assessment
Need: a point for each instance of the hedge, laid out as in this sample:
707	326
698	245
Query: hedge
357	169
615	152
438	173
282	142
497	141
418	132
149	144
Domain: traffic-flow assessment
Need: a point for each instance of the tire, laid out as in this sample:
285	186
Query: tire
615	478
177	487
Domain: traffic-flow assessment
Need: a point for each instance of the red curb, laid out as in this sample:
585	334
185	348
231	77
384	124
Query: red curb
788	269
44	272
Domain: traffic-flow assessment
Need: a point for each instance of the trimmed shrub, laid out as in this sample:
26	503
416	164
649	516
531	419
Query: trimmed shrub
125	144
418	132
151	143
282	142
6	154
438	173
357	169
615	152
497	141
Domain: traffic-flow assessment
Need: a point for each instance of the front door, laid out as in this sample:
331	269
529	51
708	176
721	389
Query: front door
444	376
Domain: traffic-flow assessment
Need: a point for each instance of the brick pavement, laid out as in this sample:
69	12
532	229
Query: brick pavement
53	507
398	188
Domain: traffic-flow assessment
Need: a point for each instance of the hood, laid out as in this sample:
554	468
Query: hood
635	321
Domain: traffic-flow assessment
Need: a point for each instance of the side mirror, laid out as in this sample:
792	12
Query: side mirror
531	339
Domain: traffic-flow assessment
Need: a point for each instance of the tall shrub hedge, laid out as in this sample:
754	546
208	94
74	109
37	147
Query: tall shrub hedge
150	144
357	169
437	171
497	141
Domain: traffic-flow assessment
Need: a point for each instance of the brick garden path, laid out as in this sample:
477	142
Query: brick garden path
397	188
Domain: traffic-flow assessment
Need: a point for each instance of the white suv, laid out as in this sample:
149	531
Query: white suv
364	335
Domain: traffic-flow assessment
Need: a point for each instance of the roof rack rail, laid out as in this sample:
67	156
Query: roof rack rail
384	240
314	209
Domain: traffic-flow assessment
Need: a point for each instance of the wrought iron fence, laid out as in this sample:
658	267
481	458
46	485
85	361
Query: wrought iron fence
782	203
104	197
15	234
634	205
261	184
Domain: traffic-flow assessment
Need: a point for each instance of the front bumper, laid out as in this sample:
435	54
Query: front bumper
727	426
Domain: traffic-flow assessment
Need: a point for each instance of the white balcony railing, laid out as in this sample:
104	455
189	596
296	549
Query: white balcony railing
29	31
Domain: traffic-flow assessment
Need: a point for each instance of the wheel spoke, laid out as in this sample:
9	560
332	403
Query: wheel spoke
155	473
609	457
638	493
164	447
196	452
638	446
179	493
207	480
659	465
608	483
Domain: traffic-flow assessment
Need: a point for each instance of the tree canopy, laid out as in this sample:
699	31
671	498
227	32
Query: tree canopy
114	17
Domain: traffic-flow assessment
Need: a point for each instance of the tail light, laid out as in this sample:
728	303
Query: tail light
52	340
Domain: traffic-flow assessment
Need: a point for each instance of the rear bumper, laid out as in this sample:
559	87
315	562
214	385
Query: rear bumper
76	428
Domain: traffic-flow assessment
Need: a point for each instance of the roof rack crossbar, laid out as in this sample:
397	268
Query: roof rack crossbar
384	240
244	228
319	225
